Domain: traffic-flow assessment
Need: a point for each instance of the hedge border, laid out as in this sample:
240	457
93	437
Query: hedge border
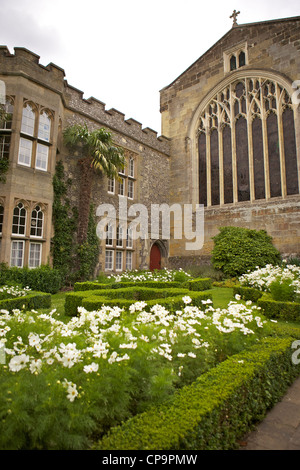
169	298
200	284
207	416
33	300
280	310
247	293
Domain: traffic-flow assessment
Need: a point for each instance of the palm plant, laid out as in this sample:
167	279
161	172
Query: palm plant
96	152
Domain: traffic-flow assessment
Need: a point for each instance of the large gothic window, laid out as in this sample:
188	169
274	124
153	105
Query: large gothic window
247	144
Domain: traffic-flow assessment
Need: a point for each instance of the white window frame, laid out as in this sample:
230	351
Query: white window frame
109	260
18	225
130	189
129	238
34	226
20	243
23	157
119	260
28	120
37	261
131	167
121	190
119	239
109	234
42	154
44	129
128	260
111	186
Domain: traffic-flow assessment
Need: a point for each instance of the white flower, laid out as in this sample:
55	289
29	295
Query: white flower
190	354
18	362
186	299
237	297
93	367
72	392
35	366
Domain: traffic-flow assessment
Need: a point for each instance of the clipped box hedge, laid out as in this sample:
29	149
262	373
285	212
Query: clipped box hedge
247	293
217	409
200	284
33	300
279	310
170	298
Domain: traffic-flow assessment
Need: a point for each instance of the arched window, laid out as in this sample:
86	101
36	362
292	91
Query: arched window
109	234
247	143
37	219
232	62
6	117
19	220
28	120
44	126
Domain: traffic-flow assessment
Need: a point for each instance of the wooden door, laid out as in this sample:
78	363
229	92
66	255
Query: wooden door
155	258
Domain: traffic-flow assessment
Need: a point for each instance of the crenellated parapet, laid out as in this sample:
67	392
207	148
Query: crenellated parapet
96	110
27	64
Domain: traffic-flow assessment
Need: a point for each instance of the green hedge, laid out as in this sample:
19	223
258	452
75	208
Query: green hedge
80	286
93	300
247	293
200	284
42	279
217	409
275	309
34	300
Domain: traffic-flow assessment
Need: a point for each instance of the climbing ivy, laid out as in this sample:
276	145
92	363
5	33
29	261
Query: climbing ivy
65	223
75	262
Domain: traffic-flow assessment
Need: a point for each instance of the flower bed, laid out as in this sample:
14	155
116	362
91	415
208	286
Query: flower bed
62	384
276	289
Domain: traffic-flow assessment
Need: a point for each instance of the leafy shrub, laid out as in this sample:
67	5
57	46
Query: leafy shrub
247	293
283	310
237	250
283	290
33	300
43	278
199	284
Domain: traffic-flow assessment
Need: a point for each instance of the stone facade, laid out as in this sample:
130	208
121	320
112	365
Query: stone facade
29	183
204	105
230	140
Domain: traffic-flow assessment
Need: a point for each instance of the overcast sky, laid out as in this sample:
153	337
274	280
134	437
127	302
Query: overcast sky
123	52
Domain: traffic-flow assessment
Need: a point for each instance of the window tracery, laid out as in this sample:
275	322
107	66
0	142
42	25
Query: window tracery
246	143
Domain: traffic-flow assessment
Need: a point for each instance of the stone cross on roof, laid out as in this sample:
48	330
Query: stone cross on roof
234	16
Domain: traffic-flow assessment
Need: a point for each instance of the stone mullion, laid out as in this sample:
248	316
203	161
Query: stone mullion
233	147
281	142
265	146
221	158
208	167
250	144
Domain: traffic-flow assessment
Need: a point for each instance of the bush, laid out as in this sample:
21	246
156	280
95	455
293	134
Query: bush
237	250
207	416
33	300
43	278
283	290
247	293
288	311
199	284
124	297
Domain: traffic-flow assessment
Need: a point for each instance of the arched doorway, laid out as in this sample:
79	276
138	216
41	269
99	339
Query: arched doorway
155	257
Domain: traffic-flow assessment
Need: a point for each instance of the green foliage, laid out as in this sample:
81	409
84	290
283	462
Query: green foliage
33	300
237	250
200	284
247	293
43	278
283	310
170	298
282	289
88	252
217	409
64	222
